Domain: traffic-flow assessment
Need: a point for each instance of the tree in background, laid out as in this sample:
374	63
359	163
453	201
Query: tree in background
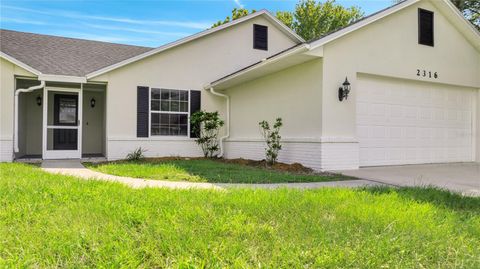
311	19
469	8
237	13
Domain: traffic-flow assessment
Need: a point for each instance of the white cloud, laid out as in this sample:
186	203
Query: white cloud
22	21
134	30
238	3
63	13
103	38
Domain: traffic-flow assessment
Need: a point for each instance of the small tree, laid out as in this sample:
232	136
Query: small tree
206	126
272	139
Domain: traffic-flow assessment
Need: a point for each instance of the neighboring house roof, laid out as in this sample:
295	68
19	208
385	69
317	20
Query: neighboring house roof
471	33
55	55
289	32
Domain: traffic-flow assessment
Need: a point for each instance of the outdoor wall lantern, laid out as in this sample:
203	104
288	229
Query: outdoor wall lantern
39	100
92	102
344	90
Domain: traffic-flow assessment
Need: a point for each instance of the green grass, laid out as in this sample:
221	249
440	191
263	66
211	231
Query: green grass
58	221
201	170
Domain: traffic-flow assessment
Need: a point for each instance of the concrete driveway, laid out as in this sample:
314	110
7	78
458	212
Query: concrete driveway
458	177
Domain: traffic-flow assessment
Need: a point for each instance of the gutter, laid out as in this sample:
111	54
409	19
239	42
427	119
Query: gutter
17	93
222	139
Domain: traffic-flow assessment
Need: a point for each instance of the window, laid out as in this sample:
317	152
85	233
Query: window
169	112
425	27
260	37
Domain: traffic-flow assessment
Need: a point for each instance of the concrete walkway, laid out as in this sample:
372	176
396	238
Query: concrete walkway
463	178
76	169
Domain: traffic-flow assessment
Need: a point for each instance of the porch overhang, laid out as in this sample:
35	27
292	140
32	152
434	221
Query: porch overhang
62	78
293	56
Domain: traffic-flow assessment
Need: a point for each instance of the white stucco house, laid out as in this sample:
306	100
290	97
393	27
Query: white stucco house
413	69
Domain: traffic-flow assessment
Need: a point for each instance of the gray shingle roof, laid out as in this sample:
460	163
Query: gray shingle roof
55	55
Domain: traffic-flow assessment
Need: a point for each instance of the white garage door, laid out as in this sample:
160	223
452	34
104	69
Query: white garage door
408	122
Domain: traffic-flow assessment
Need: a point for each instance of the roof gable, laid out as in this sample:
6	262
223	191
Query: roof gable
449	10
283	28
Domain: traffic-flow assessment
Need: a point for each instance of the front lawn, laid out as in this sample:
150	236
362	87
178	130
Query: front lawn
58	221
205	170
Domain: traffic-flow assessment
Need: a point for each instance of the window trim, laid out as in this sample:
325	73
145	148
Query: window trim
173	137
419	12
254	36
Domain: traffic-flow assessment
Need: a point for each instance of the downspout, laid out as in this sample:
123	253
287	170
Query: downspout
222	149
17	93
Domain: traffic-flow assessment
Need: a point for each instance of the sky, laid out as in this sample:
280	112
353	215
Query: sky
148	23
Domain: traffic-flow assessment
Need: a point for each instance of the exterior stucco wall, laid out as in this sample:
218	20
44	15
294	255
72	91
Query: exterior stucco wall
294	94
189	67
389	47
93	123
8	71
30	125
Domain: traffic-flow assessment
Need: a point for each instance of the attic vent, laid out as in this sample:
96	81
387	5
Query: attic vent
260	37
425	27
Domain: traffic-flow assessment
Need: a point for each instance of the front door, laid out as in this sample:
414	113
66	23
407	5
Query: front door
62	129
65	114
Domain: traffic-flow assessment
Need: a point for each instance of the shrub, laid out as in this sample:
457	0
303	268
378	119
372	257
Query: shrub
272	139
136	155
206	126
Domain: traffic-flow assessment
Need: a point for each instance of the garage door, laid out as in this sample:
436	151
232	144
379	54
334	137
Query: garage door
409	122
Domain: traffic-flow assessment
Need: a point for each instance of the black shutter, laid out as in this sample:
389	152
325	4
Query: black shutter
195	105
425	27
142	111
260	37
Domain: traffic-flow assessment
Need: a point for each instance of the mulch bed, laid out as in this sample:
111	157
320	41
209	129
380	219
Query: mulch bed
282	167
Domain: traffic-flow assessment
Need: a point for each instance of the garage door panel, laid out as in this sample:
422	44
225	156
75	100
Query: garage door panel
405	122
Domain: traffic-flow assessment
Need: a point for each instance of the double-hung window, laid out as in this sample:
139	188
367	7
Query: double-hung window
169	111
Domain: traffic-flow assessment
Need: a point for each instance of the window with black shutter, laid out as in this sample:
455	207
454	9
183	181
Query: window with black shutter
425	27
260	37
169	112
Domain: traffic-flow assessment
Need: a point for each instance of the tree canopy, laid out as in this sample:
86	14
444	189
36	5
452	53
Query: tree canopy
310	19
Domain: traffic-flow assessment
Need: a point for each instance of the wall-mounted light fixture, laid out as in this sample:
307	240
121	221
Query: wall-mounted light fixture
344	90
39	100
92	102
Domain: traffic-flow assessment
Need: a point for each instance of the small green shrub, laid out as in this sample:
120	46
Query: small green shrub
136	155
272	139
206	126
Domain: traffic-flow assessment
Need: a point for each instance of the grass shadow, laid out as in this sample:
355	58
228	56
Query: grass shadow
434	195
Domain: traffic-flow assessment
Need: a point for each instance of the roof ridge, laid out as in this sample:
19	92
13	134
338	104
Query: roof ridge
74	38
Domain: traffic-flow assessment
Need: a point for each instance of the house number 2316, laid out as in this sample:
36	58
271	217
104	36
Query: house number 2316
425	74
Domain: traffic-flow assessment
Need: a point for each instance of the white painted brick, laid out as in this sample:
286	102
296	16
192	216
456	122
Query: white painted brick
118	149
6	150
319	156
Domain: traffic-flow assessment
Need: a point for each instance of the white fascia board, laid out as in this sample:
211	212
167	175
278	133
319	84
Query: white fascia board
471	31
272	60
62	78
282	26
20	64
361	23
